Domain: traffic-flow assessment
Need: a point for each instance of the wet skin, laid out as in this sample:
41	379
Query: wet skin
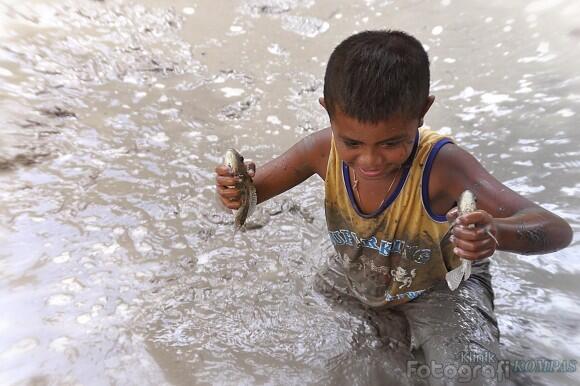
375	152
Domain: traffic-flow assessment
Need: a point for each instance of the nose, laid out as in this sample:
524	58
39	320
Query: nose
370	159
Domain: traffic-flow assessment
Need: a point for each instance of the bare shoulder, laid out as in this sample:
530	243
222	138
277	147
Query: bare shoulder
317	147
455	170
307	157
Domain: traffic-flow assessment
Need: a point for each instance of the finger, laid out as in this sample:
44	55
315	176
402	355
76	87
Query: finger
452	214
470	234
227	181
223	170
473	255
473	246
229	203
478	217
229	193
251	166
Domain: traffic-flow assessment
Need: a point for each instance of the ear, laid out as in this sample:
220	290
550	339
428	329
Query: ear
428	104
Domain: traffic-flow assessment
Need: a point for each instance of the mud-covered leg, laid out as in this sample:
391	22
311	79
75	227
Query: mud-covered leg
457	333
380	347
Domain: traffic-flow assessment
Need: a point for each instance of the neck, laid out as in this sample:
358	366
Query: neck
371	193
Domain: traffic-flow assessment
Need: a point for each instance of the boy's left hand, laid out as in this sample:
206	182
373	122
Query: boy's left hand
473	243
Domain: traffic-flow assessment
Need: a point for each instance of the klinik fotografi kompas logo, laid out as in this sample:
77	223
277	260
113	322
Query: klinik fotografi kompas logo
476	365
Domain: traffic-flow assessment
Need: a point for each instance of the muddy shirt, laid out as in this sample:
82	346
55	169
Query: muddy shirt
392	255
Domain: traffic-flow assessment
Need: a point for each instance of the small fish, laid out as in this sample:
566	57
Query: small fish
467	203
249	198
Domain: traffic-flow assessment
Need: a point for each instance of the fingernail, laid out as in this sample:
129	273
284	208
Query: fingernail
452	239
456	251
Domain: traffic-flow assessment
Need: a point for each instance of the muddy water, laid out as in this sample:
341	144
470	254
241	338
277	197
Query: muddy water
118	267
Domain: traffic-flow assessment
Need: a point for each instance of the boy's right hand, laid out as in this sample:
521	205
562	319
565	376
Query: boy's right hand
227	185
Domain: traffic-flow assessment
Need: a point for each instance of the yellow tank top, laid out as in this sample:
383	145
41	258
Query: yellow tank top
390	256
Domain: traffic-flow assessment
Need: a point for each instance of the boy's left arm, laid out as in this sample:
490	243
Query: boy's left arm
518	224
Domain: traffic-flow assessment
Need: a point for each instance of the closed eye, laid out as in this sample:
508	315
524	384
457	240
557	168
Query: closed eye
391	143
351	143
398	142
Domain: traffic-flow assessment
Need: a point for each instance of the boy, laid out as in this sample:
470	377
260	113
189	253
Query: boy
390	189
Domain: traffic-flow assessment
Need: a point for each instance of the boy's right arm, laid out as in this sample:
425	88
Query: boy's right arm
305	158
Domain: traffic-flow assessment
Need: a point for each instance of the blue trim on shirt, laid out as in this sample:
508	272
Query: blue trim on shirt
425	181
388	200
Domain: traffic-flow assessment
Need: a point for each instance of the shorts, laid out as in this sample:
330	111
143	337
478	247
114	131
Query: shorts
443	337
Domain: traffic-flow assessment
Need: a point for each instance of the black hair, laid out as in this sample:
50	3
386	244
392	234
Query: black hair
374	74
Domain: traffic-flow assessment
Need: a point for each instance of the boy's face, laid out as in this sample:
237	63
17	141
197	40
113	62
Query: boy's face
374	150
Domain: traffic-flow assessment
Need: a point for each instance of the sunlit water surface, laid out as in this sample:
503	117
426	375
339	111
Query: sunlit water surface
118	267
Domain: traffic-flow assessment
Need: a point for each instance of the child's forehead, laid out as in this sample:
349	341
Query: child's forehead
394	122
374	133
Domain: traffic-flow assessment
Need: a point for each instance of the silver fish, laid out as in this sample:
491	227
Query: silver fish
249	198
467	203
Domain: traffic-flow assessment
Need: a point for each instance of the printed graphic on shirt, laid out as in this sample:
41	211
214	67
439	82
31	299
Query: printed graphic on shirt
401	275
369	266
404	248
409	295
371	281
